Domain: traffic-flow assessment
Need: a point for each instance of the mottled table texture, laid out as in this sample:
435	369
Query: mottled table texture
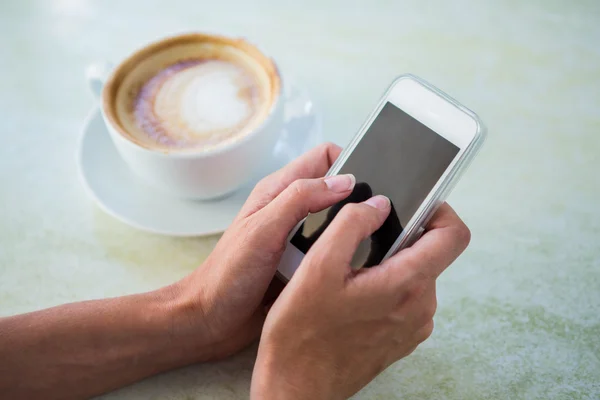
518	313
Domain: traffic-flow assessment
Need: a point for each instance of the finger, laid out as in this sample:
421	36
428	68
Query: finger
402	352
412	303
443	217
404	349
355	222
446	237
302	197
416	307
313	164
423	333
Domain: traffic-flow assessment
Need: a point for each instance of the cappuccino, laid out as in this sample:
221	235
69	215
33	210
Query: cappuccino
195	95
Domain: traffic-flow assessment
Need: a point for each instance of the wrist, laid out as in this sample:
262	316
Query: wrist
274	377
182	318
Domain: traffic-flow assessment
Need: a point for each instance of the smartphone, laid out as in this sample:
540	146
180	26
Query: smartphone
412	148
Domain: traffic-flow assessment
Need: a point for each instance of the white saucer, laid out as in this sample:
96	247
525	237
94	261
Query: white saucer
118	192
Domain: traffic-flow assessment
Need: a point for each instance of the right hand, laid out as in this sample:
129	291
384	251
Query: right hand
333	329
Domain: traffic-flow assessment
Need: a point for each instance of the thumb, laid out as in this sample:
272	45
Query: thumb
302	197
332	253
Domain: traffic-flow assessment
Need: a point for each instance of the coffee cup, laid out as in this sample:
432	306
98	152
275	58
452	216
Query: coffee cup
194	115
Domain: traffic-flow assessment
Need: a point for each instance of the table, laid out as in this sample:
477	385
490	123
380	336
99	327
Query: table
519	312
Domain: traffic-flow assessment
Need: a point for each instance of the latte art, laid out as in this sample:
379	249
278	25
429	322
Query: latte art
198	104
193	93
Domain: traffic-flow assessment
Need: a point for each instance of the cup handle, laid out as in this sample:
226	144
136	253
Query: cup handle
96	75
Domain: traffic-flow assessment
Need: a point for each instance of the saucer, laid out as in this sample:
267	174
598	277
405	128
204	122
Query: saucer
118	192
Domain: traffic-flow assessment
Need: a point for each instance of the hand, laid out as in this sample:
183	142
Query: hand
83	349
333	329
223	302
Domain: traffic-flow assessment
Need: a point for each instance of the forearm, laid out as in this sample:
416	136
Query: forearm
82	349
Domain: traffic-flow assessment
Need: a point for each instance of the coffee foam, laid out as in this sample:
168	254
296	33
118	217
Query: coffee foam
194	98
197	103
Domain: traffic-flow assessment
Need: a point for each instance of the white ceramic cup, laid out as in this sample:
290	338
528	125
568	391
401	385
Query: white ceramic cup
203	174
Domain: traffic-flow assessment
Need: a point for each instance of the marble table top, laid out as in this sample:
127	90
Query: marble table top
519	313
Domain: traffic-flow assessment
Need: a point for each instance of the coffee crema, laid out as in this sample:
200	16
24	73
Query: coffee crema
195	96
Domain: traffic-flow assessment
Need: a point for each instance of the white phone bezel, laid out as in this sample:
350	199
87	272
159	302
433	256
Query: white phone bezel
440	113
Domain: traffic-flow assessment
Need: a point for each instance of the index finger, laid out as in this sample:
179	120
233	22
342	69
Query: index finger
313	164
446	237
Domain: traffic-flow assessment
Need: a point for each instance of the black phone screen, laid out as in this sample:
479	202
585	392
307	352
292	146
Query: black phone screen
398	157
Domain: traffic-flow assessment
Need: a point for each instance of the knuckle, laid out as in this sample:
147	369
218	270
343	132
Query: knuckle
294	201
262	185
425	332
326	147
408	352
431	308
426	313
252	235
463	235
352	212
299	188
264	188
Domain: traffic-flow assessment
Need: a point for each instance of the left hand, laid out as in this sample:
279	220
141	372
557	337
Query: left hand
224	301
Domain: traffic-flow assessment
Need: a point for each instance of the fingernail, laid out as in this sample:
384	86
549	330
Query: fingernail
380	202
340	183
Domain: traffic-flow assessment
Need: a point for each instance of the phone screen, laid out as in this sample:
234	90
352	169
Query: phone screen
398	157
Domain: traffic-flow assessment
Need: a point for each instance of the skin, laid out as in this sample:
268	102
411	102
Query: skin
366	321
84	349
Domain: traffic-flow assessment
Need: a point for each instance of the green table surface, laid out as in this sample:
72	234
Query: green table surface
518	314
